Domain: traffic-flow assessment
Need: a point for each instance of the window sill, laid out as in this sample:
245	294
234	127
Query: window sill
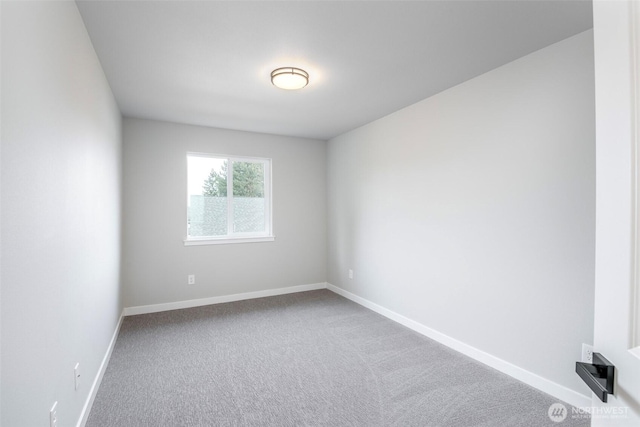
227	240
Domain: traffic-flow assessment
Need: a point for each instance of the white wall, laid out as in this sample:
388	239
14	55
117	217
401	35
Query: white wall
61	189
472	212
156	262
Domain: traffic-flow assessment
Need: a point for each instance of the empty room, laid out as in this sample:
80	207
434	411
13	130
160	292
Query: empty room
319	213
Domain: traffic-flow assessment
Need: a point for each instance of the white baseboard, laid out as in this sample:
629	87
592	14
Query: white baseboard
554	389
154	308
84	415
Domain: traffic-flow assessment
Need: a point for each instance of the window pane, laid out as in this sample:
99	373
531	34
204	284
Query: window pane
207	196
248	197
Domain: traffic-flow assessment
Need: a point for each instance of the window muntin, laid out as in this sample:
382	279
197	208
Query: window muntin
228	199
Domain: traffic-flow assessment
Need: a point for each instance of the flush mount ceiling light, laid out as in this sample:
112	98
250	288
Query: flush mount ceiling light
289	78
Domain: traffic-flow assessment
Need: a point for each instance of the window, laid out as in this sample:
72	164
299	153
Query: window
228	199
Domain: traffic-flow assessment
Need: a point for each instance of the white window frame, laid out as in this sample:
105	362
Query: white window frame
232	236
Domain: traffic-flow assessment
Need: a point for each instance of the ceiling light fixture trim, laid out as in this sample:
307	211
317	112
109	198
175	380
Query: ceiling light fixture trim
289	78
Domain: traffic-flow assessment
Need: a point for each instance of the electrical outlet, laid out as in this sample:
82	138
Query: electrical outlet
350	274
587	353
76	375
53	415
191	279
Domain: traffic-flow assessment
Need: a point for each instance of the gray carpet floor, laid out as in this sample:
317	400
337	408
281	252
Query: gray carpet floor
305	359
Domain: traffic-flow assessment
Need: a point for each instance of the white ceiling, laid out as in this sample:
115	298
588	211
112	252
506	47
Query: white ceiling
208	62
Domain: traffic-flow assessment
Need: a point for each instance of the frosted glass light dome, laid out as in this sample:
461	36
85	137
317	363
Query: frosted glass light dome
289	78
